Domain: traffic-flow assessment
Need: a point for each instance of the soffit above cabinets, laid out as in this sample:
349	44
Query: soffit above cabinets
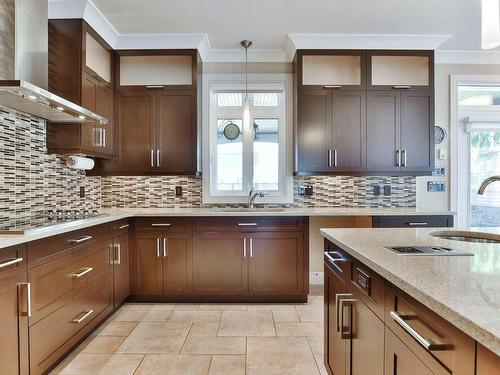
27	98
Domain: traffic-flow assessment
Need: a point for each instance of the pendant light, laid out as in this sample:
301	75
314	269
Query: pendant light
246	104
490	24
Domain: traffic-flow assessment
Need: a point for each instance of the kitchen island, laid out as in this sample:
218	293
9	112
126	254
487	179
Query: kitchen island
427	313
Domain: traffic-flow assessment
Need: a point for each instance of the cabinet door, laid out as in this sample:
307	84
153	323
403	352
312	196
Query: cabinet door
276	262
176	132
313	131
349	131
487	361
90	87
121	268
417	130
383	131
177	263
336	349
136	136
13	323
367	341
219	263
148	278
401	360
104	107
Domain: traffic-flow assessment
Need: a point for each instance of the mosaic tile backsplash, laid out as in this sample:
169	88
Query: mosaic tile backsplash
33	182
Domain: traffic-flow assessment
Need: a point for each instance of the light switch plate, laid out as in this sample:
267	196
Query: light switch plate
442	154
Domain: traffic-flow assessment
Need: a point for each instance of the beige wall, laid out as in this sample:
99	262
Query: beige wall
443	72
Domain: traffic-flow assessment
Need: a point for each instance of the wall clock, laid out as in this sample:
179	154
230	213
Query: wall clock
439	134
231	131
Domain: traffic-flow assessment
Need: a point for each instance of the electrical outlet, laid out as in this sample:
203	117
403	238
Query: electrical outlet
376	190
82	191
306	190
316	278
387	190
439	171
178	191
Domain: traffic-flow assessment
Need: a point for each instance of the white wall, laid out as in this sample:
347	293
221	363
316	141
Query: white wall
441	201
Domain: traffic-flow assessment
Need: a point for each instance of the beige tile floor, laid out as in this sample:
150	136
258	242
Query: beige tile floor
206	339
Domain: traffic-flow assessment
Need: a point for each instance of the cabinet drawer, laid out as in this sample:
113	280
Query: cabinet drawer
440	345
250	224
12	261
368	286
51	333
413	221
54	284
50	248
165	224
120	227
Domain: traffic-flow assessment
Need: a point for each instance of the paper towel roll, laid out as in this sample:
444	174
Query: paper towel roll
78	162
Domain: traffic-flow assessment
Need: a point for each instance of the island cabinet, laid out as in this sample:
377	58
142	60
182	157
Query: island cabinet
364	112
81	71
14	311
162	260
372	327
157	104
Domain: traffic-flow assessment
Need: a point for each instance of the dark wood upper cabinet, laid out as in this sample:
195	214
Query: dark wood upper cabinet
364	112
156	106
81	71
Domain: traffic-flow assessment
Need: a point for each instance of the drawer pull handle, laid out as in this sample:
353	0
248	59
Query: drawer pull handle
248	224
161	225
404	87
426	343
421	224
83	317
326	87
154	86
84	272
80	240
11	262
124	226
335	260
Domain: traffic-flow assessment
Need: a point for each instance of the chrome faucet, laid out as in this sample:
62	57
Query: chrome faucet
252	196
486	182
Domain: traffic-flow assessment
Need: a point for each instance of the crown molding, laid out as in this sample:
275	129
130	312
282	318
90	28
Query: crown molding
467	57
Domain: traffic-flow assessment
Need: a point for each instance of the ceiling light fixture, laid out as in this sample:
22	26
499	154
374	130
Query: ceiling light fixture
490	24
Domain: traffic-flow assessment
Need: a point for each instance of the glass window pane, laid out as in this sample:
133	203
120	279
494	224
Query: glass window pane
485	162
229	99
478	95
266	99
229	155
266	154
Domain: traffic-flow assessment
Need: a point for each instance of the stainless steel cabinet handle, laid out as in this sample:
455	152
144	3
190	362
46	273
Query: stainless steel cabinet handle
329	158
404	157
81	239
426	343
28	299
152	158
85	271
157	158
335	158
247	224
338	297
398	158
346	332
332	86
336	260
244	247
165	251
11	262
85	315
404	87
118	254
251	247
157	247
154	86
103	137
416	224
124	226
161	224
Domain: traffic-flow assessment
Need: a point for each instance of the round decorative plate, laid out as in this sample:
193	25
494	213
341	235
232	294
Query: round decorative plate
231	131
439	134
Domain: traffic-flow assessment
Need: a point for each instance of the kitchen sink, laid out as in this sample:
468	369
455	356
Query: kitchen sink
427	251
466	236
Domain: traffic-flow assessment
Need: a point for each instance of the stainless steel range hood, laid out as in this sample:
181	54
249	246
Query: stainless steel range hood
24	65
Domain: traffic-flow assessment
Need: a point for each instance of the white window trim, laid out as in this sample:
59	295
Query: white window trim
459	146
257	82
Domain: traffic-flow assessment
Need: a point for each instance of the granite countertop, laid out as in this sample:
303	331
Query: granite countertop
109	215
464	290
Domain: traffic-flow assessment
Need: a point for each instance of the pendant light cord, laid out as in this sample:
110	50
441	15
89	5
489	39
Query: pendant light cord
246	73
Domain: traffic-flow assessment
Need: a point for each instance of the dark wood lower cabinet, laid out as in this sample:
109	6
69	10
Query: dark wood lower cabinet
148	272
120	259
177	263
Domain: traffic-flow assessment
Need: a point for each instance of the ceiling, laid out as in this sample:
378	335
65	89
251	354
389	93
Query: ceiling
267	22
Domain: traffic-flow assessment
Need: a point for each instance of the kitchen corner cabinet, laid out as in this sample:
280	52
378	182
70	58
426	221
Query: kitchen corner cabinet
80	70
14	311
156	133
364	112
